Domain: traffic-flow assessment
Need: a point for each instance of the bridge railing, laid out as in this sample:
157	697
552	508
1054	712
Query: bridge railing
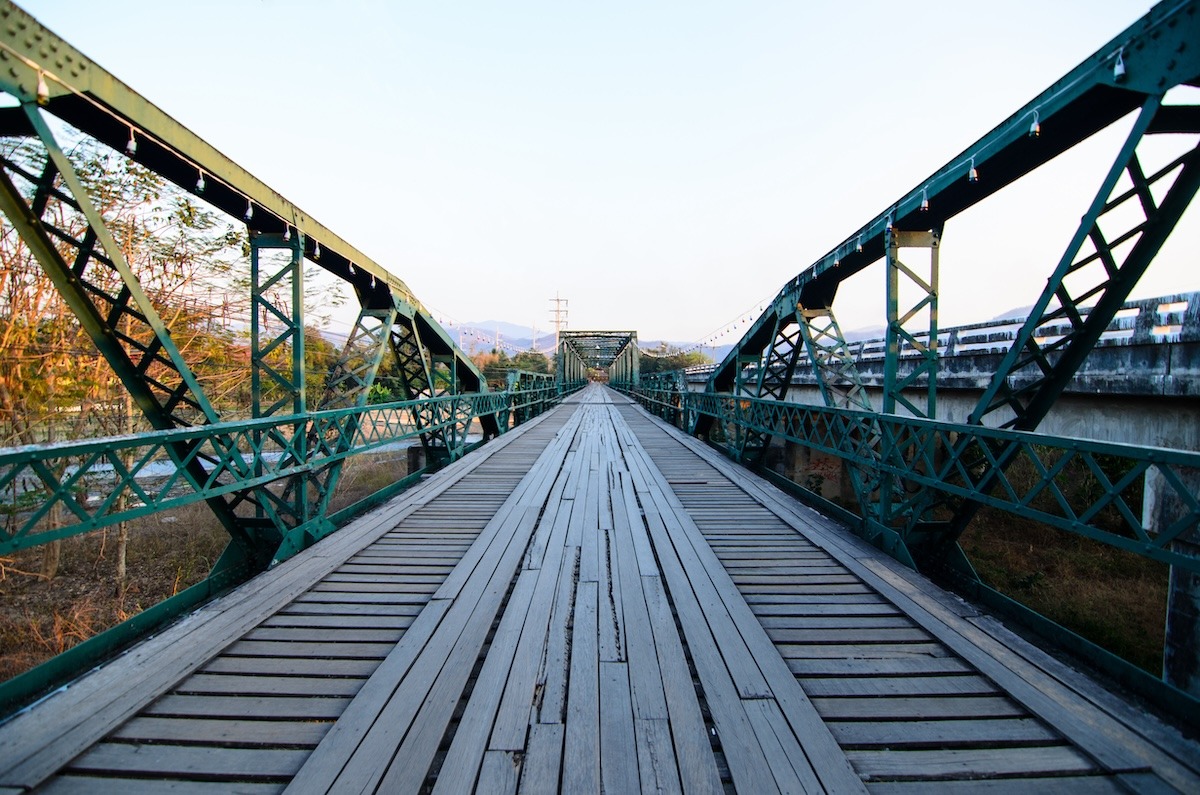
531	394
1145	501
51	492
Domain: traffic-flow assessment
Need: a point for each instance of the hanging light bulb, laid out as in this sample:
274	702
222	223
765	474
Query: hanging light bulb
249	209
131	147
1035	129
43	90
317	251
1119	66
200	185
858	245
925	199
287	233
888	224
351	268
972	173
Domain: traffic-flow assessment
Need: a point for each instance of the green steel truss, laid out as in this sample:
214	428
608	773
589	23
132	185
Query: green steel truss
917	482
47	77
582	352
532	393
921	451
1135	209
267	469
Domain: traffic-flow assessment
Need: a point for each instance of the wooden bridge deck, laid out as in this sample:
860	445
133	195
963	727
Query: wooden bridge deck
591	602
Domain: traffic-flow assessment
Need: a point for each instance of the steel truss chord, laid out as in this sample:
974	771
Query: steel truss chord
833	363
1097	267
422	375
89	270
277	368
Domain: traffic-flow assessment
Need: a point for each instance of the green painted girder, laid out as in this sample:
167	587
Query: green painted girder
91	99
1158	51
596	349
530	394
245	455
920	451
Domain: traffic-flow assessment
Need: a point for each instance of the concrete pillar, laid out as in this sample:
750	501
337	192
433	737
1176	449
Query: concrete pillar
821	473
1181	649
415	459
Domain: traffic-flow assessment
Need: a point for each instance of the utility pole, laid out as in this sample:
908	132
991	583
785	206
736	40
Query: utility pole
558	316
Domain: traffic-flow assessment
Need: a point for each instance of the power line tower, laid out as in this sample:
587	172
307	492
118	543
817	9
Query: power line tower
558	316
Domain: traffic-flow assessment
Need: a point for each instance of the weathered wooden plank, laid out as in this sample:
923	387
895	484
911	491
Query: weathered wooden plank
223	732
552	675
376	583
864	635
325	634
543	759
1059	785
333	608
270	648
789	764
897	686
424	684
970	762
499	773
942	733
645	674
697	767
916	708
233	685
340	621
190	760
747	763
1111	730
248	707
330	755
582	740
90	785
426	700
618	747
657	768
772	623
518	692
417	597
613	645
894	666
864	651
470	740
783	606
291	666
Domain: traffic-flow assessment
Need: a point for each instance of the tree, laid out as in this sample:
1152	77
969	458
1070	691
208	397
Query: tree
53	383
532	361
666	357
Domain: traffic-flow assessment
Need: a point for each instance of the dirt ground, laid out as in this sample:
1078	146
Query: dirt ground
167	553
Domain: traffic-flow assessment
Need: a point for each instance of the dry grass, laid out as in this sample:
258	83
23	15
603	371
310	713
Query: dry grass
167	553
41	618
1113	598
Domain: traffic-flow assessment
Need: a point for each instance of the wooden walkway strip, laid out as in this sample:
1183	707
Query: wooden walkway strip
39	742
601	603
946	670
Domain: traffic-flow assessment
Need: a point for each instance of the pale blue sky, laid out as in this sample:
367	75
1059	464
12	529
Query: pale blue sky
663	166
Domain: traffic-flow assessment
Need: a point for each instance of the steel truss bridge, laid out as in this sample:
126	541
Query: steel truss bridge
573	593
